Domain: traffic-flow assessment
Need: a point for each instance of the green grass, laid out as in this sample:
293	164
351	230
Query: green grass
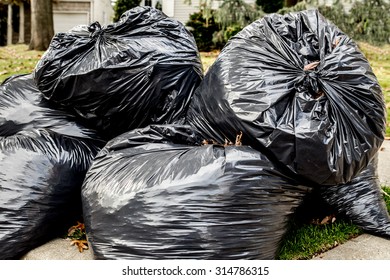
303	240
386	195
17	59
379	58
208	59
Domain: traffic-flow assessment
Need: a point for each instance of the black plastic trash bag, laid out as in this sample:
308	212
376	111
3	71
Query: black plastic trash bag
23	107
149	195
44	156
361	201
41	173
298	87
138	71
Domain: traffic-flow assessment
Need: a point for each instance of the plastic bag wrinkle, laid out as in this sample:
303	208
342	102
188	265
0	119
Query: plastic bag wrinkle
149	195
40	180
323	123
45	153
138	71
361	201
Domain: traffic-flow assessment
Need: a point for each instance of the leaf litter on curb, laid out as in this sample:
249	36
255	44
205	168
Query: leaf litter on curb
78	237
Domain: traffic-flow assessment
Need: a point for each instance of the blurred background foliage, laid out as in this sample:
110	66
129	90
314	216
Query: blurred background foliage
366	20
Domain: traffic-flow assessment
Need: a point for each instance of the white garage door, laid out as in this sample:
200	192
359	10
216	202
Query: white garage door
63	21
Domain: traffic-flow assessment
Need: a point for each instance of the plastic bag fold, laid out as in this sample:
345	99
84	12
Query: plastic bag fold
140	70
166	199
299	89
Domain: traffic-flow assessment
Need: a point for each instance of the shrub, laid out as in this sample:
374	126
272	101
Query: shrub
370	21
122	6
270	6
232	16
202	31
367	20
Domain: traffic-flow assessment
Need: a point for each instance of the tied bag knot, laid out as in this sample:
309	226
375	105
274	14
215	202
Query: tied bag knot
310	80
95	30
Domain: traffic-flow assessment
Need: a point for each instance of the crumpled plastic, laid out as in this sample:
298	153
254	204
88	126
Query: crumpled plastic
138	71
40	181
361	201
44	156
301	91
23	107
155	193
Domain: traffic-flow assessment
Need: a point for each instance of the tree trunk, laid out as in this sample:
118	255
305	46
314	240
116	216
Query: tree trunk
21	23
9	25
42	30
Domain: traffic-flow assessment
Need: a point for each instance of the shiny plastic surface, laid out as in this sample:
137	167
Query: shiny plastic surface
44	156
41	174
138	71
23	107
149	195
298	88
361	200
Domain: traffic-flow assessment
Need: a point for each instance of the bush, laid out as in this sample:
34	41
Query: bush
232	16
222	36
122	6
368	20
203	31
270	6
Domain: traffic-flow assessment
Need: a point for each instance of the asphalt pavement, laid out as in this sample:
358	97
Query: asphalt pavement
363	247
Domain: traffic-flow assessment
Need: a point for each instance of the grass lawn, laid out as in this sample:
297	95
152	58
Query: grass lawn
307	239
17	59
379	58
304	240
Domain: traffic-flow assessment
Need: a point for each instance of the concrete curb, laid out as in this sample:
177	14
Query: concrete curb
384	163
58	249
363	247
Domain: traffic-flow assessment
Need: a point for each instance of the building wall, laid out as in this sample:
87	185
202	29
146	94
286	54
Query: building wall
177	9
15	23
69	13
183	10
72	5
102	11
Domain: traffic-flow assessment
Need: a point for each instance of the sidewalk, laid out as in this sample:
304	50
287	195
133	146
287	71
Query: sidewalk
364	247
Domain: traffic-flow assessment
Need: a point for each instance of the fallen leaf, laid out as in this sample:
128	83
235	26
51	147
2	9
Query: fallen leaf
81	244
326	220
238	139
311	66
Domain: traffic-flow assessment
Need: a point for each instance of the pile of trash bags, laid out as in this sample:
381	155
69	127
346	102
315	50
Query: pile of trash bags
119	124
